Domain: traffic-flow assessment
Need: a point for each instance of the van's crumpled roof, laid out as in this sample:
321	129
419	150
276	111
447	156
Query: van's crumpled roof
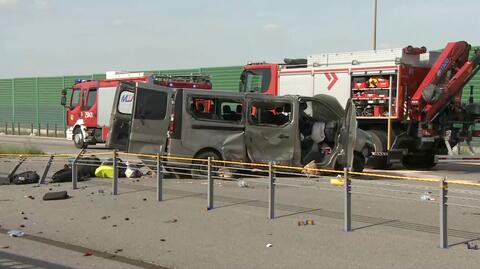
328	107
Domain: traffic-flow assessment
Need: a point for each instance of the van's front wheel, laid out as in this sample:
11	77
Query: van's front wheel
200	168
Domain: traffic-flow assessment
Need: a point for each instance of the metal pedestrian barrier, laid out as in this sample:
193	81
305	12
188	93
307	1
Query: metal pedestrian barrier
275	175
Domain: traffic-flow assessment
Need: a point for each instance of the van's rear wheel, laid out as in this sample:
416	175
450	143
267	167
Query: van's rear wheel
78	139
199	168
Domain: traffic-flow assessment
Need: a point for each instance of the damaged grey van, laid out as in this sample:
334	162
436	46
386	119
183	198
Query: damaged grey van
246	127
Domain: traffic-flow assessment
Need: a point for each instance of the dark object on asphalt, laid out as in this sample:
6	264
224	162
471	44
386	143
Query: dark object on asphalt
30	197
22	226
88	253
57	195
118	250
25	218
63	175
471	245
127	219
27	177
171	221
12	173
86	167
144	199
163	240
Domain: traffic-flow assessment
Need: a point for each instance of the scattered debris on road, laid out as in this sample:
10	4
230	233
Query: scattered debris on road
88	253
29	197
57	195
427	197
242	184
171	221
471	245
306	222
27	177
269	245
15	233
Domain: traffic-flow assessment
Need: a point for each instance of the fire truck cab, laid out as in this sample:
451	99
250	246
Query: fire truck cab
90	105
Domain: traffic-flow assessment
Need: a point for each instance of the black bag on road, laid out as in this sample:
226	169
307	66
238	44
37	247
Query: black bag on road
27	177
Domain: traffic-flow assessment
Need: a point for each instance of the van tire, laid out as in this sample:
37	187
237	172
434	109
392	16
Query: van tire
201	165
78	139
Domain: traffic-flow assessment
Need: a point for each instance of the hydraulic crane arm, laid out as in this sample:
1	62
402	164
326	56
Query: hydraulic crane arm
444	80
454	86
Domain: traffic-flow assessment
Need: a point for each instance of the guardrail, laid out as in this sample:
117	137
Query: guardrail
273	175
40	129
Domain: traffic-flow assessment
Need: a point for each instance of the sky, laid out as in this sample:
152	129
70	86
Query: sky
60	37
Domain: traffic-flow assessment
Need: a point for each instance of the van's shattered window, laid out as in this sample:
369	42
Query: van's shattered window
151	105
219	109
271	113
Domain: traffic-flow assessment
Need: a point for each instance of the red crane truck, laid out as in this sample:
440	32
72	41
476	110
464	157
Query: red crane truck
408	99
91	101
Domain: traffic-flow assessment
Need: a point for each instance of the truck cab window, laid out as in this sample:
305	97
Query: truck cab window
256	80
266	113
75	99
92	97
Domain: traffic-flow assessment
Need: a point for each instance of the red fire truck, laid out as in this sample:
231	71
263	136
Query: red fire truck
91	101
408	99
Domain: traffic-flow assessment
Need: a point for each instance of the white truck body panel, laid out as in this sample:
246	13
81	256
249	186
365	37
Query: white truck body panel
330	73
105	98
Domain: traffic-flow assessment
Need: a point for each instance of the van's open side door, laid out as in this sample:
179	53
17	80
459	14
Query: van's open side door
271	129
348	134
151	117
120	120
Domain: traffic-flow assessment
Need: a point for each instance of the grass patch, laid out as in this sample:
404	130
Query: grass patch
14	149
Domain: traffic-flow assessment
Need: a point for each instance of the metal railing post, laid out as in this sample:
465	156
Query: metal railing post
443	213
347	218
271	194
210	184
45	172
75	170
159	179
13	128
115	174
18	125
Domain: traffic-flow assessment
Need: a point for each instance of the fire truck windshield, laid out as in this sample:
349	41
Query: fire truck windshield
255	80
75	98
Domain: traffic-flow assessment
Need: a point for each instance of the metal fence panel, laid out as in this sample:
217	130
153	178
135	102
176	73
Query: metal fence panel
6	100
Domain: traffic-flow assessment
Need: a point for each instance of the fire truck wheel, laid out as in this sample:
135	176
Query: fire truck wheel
379	139
78	139
199	168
